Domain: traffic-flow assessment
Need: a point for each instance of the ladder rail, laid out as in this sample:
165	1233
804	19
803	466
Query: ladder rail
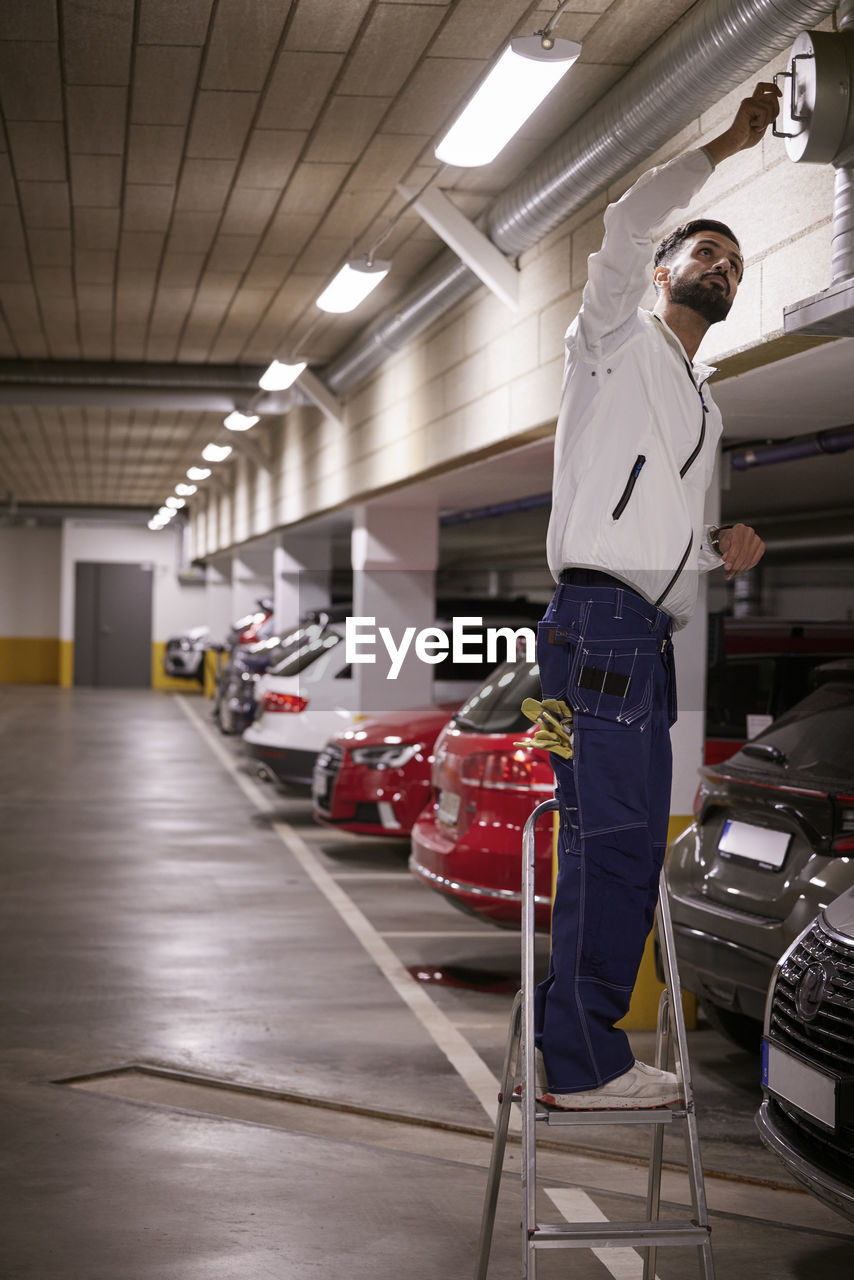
647	1235
529	1074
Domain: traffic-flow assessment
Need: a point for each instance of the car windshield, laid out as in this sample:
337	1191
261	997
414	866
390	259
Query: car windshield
312	644
817	736
495	706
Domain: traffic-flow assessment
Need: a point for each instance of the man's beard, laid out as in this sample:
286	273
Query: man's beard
711	303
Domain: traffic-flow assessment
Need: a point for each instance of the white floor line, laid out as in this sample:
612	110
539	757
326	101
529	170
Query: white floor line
440	933
463	1058
577	1206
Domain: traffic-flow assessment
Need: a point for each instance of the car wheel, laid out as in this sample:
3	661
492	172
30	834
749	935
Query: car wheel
736	1027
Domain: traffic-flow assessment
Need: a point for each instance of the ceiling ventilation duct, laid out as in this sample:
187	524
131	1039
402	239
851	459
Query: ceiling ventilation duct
817	122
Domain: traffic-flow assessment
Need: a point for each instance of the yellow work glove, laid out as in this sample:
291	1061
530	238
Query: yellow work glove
555	719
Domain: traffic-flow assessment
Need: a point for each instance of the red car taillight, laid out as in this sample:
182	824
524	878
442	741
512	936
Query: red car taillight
284	702
843	840
506	771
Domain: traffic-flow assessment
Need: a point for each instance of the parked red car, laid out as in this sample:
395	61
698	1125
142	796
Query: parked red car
467	842
374	778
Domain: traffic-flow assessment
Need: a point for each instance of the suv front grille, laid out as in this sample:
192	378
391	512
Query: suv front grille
824	1039
827	1039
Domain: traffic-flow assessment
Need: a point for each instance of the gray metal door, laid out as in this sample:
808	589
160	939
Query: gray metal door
112	625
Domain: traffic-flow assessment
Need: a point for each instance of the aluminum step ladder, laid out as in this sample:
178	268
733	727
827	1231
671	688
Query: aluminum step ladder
652	1232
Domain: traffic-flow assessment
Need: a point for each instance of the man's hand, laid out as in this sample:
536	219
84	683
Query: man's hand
751	120
741	548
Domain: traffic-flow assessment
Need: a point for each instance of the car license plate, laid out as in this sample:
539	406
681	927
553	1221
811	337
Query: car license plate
449	808
757	844
807	1088
319	785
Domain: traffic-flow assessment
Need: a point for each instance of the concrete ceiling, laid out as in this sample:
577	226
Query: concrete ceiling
179	180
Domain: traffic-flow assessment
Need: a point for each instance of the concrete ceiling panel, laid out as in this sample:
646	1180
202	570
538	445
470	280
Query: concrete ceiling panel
154	153
325	24
389	49
48	247
243	38
164	84
38	150
298	89
471	33
30	82
432	95
193	230
54	282
95	266
96	181
220	124
346	127
140	249
96	119
147	208
205	184
45	204
35	20
96	228
248	211
96	41
165	22
270	157
312	188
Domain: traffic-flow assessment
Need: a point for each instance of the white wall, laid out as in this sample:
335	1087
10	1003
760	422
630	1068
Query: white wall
175	606
29	582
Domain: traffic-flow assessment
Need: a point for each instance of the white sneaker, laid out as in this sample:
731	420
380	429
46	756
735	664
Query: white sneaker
640	1087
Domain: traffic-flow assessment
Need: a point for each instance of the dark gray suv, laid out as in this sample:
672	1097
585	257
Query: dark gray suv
772	845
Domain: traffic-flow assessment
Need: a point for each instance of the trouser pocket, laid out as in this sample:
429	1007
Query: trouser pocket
610	679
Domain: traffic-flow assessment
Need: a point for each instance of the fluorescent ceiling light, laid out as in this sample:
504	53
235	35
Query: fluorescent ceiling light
522	77
186	490
154	523
238	421
352	285
166	513
198	473
279	376
214	453
175	503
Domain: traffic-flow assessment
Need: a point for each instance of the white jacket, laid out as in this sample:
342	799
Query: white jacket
637	429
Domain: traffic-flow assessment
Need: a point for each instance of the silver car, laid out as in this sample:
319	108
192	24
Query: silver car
807	1113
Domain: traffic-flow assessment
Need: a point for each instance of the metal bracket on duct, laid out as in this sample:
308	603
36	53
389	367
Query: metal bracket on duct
818	125
713	49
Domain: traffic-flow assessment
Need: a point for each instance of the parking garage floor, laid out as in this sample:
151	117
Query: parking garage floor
237	1045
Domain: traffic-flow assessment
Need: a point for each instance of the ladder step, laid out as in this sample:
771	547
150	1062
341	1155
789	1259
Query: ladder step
652	1115
600	1235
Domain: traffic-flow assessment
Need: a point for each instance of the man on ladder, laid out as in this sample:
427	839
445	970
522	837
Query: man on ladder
634	455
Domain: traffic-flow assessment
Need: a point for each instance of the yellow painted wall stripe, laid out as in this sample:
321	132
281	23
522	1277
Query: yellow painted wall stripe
29	660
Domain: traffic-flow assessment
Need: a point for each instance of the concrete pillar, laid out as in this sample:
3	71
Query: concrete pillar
218	615
251	579
394	553
302	577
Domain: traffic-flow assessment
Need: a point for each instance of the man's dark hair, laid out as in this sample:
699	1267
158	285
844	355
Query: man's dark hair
676	238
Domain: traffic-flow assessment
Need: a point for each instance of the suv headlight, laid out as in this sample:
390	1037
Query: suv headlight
388	756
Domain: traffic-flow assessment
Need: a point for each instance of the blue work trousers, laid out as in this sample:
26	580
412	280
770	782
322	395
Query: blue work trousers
607	653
